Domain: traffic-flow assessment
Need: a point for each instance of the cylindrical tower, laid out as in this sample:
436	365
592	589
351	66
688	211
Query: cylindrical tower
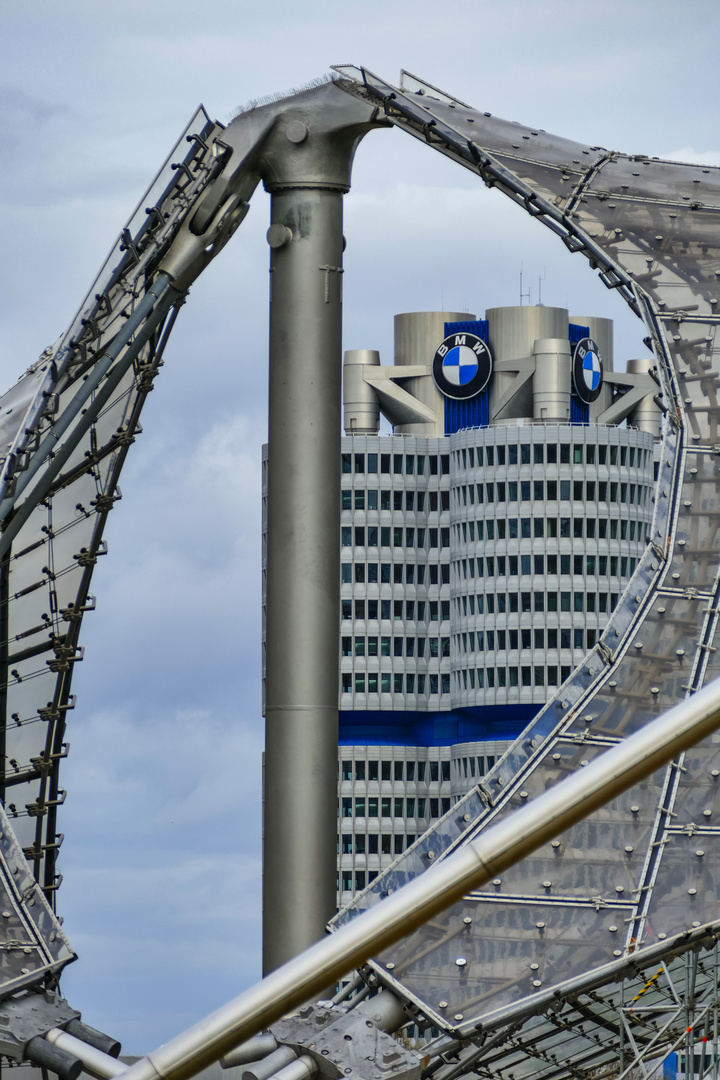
647	415
551	390
512	332
361	410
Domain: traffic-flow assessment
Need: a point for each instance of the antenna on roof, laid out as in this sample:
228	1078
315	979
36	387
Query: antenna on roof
541	278
523	296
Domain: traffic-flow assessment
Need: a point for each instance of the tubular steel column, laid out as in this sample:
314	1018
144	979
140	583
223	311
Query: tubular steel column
307	173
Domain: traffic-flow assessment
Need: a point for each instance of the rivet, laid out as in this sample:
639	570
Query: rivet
662	936
467	920
555	844
629	848
497	881
458	1016
707	813
556	757
619	888
466	817
696	924
692	892
390	966
534	967
583	763
523	794
431	855
461	961
537	982
442	1005
700	853
540	925
612	929
547	884
617	952
654	689
634	809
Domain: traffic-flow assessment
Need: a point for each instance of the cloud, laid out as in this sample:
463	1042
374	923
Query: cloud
692	156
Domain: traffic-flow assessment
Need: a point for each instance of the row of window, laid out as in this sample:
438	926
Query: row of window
538	637
412	501
395	573
393	537
490	603
374	844
513	528
512	454
548	490
385	682
373	682
527	528
484	764
375	806
522	565
484	603
547	453
432	771
411	610
398	464
396	646
526	675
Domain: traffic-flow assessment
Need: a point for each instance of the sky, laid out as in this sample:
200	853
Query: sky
161	861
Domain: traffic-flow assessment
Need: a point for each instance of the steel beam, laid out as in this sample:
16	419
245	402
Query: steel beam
305	164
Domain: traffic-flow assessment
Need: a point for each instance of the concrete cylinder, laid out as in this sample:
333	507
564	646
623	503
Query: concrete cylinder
303	573
551	384
361	409
646	416
601	331
417	337
512	333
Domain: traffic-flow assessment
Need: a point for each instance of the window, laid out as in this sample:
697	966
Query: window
564	453
385	807
346	463
346	535
372	807
385	682
359	808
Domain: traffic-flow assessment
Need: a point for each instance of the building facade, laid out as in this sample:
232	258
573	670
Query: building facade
483	546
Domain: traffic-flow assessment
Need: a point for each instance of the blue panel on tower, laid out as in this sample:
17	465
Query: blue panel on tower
381	727
579	410
472	412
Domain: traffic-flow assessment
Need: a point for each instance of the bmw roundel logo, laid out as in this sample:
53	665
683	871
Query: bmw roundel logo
462	366
587	370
